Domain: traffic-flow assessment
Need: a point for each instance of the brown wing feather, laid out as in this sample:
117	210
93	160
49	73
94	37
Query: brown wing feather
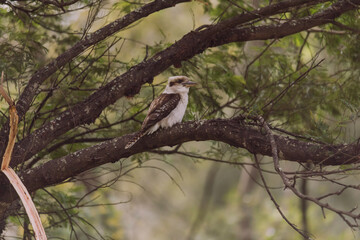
160	108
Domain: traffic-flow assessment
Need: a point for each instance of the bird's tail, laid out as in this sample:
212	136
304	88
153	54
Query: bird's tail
135	138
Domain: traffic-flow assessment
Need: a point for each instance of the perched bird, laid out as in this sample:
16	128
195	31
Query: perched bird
167	109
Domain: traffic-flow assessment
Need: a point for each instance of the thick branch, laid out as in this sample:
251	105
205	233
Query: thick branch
191	44
233	132
27	96
290	27
42	74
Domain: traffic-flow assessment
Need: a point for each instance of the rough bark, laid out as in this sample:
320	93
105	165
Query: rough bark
232	131
191	44
42	74
31	89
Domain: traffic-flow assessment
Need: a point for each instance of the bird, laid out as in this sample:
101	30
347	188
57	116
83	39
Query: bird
167	109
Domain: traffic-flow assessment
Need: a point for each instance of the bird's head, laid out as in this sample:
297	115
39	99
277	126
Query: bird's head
179	84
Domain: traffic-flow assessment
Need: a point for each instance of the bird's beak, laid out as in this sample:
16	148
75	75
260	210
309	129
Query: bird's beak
189	83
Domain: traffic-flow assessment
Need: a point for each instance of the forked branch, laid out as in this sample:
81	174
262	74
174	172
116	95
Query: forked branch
347	216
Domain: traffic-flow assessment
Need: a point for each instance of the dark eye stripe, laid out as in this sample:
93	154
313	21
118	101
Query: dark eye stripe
180	80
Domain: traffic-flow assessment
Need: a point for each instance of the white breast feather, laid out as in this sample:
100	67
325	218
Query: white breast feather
175	115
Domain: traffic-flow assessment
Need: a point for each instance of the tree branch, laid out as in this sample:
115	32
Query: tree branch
27	96
232	131
290	27
191	44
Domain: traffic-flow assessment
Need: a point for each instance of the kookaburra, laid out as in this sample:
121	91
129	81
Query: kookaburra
167	109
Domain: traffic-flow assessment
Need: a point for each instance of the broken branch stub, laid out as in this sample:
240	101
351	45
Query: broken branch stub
12	136
10	173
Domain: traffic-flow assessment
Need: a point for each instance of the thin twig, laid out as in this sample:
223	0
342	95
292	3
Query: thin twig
275	203
301	77
288	184
257	57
